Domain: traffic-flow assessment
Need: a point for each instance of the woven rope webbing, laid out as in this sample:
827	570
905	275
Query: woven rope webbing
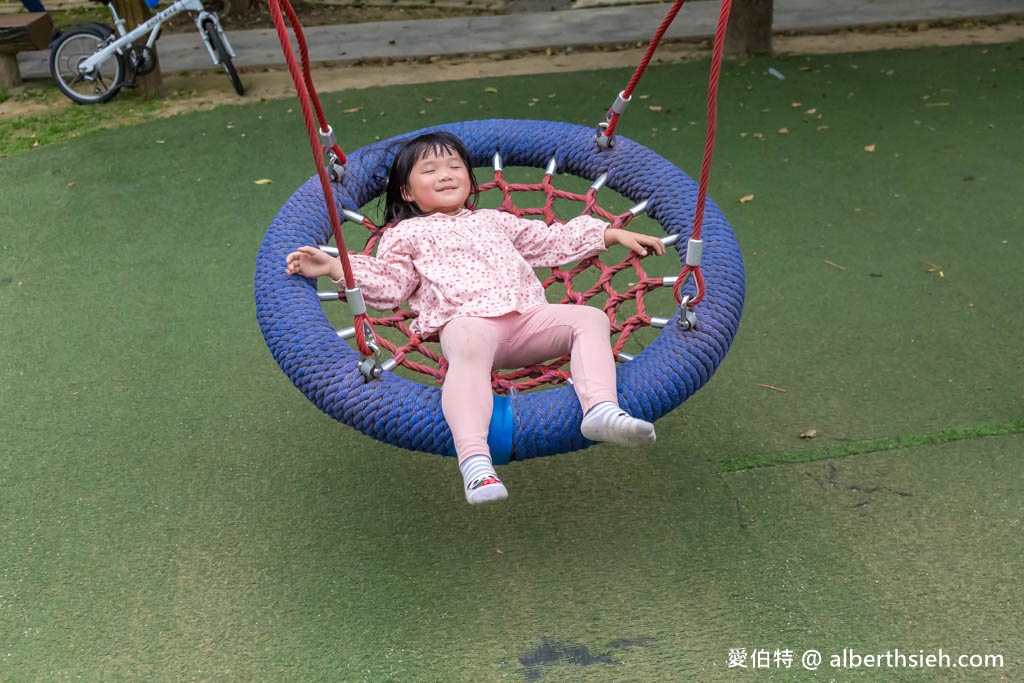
552	372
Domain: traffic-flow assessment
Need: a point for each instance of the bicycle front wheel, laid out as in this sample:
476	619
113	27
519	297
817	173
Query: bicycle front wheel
223	56
97	85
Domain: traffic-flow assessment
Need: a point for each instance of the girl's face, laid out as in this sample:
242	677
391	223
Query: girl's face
438	183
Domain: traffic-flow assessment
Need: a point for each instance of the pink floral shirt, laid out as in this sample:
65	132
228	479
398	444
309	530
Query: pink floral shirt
476	263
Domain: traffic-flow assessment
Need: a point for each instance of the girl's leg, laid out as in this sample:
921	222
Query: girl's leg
552	330
469	345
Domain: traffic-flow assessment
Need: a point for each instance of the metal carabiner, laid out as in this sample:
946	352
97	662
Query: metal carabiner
687	316
371	367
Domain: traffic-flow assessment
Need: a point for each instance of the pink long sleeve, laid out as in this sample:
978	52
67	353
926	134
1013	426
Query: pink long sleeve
475	263
556	244
389	278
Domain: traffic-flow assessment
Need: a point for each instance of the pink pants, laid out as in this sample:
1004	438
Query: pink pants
475	346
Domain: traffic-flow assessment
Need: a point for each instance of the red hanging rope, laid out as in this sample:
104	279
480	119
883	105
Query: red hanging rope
308	100
307	75
705	168
625	95
709	142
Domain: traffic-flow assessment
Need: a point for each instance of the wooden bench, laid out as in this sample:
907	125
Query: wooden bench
18	33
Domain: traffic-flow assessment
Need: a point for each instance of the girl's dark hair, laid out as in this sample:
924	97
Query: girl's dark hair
396	207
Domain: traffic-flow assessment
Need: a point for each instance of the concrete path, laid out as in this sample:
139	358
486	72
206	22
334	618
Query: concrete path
541	30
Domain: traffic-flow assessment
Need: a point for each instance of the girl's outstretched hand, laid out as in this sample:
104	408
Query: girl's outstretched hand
311	262
634	241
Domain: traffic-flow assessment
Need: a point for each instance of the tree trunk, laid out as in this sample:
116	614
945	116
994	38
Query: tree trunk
750	28
135	12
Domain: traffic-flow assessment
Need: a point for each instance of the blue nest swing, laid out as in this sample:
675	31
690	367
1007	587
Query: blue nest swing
407	414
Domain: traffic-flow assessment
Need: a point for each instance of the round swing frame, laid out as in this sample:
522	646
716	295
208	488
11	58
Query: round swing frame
407	414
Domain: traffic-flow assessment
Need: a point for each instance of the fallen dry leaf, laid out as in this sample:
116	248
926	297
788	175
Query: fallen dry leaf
352	110
490	89
161	142
655	107
783	131
746	198
262	181
796	105
499	551
869	148
809	434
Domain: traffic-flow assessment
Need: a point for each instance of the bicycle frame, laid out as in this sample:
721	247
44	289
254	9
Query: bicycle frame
153	27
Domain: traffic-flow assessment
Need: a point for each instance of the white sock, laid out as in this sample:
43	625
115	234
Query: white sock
608	422
481	481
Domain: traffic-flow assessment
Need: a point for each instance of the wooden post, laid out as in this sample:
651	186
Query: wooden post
135	12
18	33
750	28
10	76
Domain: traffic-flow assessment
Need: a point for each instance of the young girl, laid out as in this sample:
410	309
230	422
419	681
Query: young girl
468	274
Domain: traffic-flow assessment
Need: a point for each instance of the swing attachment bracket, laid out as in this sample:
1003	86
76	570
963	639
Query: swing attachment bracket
604	141
370	367
605	131
332	161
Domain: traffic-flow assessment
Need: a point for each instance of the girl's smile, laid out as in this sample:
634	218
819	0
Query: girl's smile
438	183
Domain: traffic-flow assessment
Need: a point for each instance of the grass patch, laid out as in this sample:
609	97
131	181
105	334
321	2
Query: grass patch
58	120
887	443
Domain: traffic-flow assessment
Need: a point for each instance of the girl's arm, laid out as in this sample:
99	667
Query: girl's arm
543	246
582	237
634	241
385	280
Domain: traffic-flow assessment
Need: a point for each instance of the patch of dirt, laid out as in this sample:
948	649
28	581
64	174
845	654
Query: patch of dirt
211	89
207	89
356	13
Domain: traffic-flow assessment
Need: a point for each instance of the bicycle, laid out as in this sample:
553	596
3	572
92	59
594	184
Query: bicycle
91	64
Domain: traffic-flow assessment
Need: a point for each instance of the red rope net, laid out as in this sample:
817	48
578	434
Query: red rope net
419	355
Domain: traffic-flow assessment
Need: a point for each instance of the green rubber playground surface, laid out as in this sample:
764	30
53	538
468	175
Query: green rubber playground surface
172	508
